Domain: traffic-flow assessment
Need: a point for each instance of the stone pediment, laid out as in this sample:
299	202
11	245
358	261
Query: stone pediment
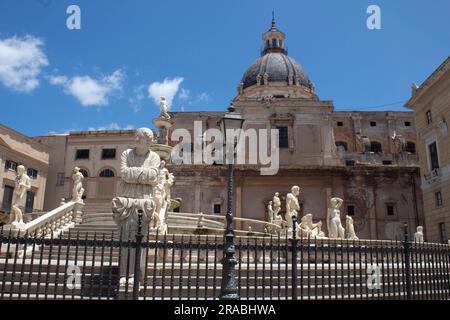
4	143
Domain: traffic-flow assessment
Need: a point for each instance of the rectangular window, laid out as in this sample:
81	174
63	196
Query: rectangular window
284	137
442	233
217	208
7	198
60	179
407	124
29	204
387	162
373	124
82	154
429	117
32	173
10	165
351	210
108	154
350	163
390	209
340	124
438	197
434	158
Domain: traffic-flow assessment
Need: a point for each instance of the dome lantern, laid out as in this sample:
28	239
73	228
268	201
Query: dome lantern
273	40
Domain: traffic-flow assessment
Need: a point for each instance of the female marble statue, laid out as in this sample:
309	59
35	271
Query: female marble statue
350	228
418	236
276	204
23	184
308	229
270	216
78	190
335	228
164	108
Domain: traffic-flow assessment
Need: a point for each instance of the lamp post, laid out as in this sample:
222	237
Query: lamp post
229	288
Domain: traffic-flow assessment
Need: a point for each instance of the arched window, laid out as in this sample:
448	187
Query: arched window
107	173
84	173
341	145
375	147
411	147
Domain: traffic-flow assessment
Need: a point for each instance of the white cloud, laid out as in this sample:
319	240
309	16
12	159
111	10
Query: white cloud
89	91
203	97
136	99
168	89
21	62
111	126
184	94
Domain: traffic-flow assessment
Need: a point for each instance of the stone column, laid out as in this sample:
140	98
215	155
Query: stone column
371	212
390	118
2	166
357	130
197	196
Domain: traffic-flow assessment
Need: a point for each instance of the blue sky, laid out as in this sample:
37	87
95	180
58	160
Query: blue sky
99	77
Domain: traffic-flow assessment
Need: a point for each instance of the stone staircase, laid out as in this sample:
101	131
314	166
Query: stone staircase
171	280
43	273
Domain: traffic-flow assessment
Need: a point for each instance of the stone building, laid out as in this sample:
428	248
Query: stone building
366	158
17	149
96	153
431	105
347	154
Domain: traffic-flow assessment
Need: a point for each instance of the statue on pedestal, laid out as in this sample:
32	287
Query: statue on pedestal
418	236
164	107
140	173
78	190
276	204
23	184
270	216
335	228
350	228
308	229
292	205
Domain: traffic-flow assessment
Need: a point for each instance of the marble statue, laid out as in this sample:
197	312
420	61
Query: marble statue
350	229
22	185
164	107
270	216
308	229
78	190
292	205
334	224
258	79
399	142
418	236
276	204
140	172
266	78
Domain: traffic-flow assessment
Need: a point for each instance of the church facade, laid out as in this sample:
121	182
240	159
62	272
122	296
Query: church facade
366	158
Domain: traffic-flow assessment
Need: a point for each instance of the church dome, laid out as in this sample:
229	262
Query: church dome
275	67
278	67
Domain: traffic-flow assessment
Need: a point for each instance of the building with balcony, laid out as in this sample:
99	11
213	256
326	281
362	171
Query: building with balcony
17	149
431	105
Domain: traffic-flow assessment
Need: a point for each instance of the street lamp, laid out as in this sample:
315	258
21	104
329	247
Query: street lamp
229	289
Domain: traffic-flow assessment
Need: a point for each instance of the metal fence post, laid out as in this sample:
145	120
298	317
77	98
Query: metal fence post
294	257
137	258
407	264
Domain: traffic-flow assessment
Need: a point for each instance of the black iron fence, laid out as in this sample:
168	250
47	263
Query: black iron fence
88	266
